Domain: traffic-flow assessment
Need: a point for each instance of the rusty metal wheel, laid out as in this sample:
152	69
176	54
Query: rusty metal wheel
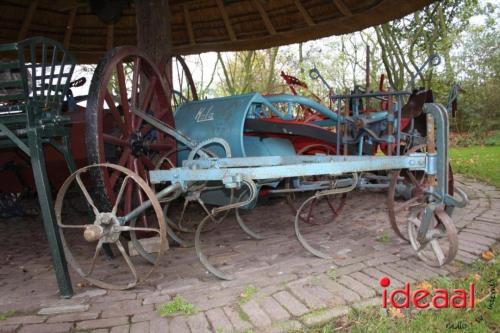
406	190
321	210
105	227
441	240
126	80
180	83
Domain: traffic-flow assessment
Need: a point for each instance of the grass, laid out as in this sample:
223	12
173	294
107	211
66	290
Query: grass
484	317
332	274
480	162
7	314
248	293
384	238
175	306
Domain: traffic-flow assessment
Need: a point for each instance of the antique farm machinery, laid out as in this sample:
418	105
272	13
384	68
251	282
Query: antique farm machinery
224	152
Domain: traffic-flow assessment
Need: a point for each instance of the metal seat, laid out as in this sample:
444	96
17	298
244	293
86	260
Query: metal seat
33	82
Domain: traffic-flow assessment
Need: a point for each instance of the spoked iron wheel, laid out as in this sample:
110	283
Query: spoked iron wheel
126	80
324	209
179	80
441	240
407	190
83	239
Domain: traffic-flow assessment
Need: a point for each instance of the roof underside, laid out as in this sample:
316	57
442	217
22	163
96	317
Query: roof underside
200	25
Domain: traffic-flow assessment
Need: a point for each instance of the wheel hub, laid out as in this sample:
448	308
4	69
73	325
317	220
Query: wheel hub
137	144
104	227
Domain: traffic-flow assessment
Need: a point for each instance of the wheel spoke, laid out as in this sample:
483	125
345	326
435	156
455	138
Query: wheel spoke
438	251
159	146
114	112
122	87
311	206
114	140
120	194
135	88
331	206
413	180
135	81
121	162
70	226
148	94
146	162
129	262
139	169
129	228
86	194
407	204
96	254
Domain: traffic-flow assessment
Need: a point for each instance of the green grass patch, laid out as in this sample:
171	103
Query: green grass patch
7	314
332	274
242	314
248	293
484	317
384	238
177	305
480	162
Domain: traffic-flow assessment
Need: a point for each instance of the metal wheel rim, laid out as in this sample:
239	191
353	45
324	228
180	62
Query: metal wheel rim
69	254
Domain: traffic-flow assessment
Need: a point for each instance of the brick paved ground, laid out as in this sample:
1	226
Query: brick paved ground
293	288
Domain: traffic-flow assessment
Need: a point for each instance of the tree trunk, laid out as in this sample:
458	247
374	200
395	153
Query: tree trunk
154	34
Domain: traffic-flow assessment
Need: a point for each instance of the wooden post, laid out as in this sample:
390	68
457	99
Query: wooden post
154	34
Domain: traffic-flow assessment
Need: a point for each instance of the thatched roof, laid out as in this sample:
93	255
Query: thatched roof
199	25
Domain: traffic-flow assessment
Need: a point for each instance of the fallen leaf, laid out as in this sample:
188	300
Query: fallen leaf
396	313
476	276
424	285
487	255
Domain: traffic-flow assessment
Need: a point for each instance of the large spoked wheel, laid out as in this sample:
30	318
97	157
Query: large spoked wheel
406	191
126	80
324	209
83	242
441	240
179	80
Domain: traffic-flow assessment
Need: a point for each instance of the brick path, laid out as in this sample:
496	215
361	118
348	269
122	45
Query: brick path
294	289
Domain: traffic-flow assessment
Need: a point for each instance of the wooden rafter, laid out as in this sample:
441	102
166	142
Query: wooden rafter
341	6
189	25
227	23
69	26
305	14
27	20
265	17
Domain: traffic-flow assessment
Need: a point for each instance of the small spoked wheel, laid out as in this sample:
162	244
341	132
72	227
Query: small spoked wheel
440	245
407	190
83	237
318	211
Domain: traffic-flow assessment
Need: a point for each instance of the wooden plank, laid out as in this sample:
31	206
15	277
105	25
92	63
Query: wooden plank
27	20
227	23
69	26
189	25
265	17
341	6
305	14
110	32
